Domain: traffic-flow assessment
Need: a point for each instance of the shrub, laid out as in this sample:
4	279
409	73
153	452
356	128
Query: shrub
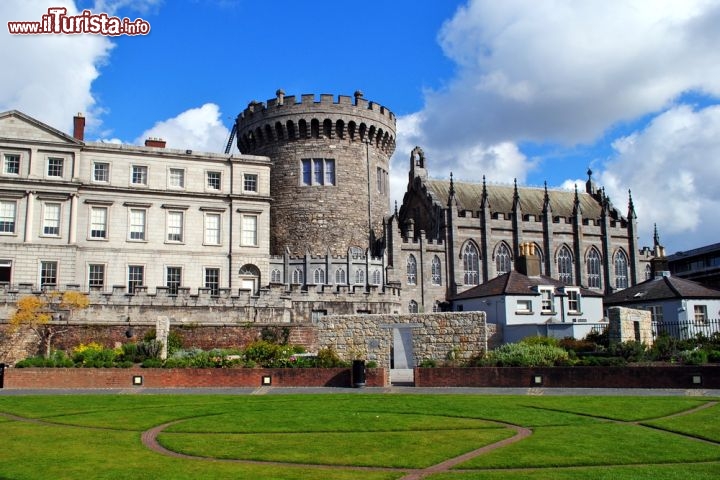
526	355
572	345
428	363
631	351
540	340
149	349
329	358
599	338
152	363
694	357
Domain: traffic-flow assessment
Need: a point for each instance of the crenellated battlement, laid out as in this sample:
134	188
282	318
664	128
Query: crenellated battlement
283	119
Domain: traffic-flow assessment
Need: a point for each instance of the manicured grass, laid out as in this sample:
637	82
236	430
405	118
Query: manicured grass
98	436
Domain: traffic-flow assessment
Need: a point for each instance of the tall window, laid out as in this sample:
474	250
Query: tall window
382	183
565	266
621	270
137	224
359	277
96	275
471	265
593	269
136	277
7	216
177	178
297	276
101	172
276	276
139	175
435	271
212	280
173	279
51	219
48	274
212	229
340	276
250	182
214	180
319	276
648	272
249	230
318	171
55	167
413	307
175	226
376	277
11	164
656	313
98	222
411	270
573	301
546	300
502	260
701	314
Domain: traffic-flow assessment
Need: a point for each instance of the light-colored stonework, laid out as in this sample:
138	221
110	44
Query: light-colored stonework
629	324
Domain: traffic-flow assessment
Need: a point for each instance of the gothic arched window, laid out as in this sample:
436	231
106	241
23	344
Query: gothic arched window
340	277
435	270
413	307
502	260
565	266
621	270
359	277
319	276
471	265
297	276
276	276
376	277
593	269
411	270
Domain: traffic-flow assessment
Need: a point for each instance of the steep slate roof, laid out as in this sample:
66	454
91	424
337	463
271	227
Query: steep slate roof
662	288
468	197
515	283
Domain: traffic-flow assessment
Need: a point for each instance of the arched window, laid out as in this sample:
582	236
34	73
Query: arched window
276	276
411	270
319	276
359	277
413	307
340	277
593	269
471	265
376	277
621	270
565	266
436	272
502	260
648	272
249	277
297	276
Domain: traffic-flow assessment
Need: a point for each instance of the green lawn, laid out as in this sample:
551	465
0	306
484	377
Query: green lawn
367	436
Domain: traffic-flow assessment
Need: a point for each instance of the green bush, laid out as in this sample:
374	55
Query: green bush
329	358
631	351
599	338
694	357
428	363
526	355
540	340
148	349
578	346
152	363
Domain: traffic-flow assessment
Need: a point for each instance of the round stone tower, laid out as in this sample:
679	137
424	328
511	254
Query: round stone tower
329	178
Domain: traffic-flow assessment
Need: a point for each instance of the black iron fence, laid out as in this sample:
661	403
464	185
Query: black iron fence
687	328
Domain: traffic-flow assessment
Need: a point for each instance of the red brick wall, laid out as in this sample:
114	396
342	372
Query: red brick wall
571	377
47	378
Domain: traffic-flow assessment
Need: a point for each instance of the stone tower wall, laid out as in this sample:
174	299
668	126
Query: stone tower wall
358	135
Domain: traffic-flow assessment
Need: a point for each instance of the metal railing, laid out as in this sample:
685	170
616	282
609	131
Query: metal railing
686	328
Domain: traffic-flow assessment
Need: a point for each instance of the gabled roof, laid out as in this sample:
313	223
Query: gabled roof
515	283
661	288
51	134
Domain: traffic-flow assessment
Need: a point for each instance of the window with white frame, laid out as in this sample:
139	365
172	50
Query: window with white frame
546	300
411	270
212	280
471	265
376	277
656	313
55	167
524	306
176	178
413	307
213	180
297	276
212	229
101	172
565	266
436	271
319	276
573	297
51	219
173	279
502	260
8	212
175	226
340	276
96	275
137	223
48	274
593	269
318	171
98	222
359	277
11	164
248	235
621	270
139	175
136	277
701	317
250	182
276	276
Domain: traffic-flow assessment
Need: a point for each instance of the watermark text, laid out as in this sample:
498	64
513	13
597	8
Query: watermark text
57	21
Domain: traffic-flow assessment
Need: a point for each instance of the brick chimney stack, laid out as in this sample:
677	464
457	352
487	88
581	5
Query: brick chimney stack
528	263
155	142
79	127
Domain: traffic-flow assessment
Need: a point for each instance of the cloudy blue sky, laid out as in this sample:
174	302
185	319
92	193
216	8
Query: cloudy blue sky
533	90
